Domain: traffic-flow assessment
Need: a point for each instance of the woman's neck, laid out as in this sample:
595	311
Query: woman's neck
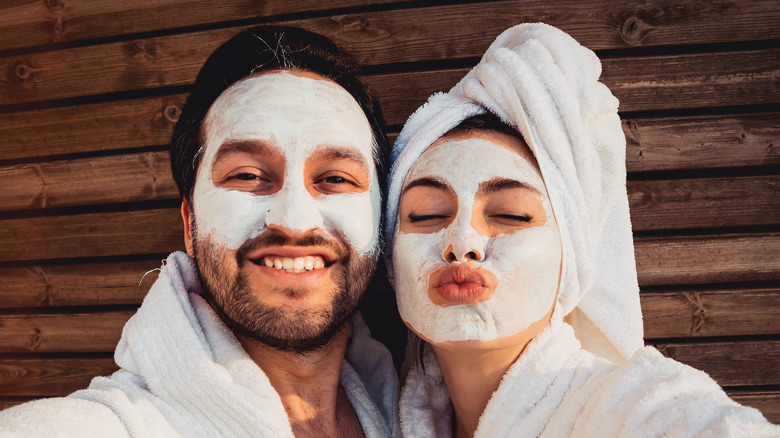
472	376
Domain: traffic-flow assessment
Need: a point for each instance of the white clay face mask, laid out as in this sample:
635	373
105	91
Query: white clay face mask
526	262
296	115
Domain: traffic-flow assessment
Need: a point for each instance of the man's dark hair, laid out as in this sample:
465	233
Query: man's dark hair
259	49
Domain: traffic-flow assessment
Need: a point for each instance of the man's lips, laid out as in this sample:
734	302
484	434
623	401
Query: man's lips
460	284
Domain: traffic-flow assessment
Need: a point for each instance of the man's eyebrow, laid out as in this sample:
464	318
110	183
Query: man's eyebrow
254	147
428	182
338	153
498	184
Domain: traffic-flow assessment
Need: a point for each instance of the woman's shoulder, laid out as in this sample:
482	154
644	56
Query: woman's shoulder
652	395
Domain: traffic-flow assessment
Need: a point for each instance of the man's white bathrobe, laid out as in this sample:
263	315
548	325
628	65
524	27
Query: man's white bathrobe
557	389
184	374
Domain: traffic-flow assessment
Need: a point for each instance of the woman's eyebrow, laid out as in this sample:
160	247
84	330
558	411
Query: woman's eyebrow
428	182
498	184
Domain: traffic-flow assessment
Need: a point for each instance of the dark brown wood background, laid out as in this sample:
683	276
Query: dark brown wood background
89	92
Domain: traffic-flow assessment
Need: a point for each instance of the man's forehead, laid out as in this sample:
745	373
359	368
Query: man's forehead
287	107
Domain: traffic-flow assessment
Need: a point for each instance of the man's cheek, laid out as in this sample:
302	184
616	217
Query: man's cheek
355	216
229	217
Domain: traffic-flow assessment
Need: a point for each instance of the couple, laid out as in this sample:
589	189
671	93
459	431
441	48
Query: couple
506	235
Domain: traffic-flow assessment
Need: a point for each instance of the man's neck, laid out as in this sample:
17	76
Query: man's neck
308	385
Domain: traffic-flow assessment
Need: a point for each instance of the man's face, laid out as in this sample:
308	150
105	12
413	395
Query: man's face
286	208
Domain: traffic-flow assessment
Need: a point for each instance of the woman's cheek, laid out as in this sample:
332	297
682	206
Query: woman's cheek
415	257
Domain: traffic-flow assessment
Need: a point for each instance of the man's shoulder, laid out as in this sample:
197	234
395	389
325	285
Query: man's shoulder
60	417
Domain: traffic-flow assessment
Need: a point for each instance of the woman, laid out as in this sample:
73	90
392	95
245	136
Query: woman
511	253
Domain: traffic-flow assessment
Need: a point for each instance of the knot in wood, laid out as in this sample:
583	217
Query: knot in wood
172	113
139	44
633	30
55	4
22	71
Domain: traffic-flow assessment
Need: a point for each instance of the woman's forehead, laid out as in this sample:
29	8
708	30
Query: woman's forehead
464	159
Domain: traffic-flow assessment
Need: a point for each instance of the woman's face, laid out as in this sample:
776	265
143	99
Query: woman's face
477	255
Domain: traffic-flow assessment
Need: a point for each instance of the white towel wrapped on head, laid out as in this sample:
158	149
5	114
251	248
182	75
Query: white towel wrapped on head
544	84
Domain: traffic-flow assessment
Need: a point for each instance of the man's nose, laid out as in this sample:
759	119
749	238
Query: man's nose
293	211
463	243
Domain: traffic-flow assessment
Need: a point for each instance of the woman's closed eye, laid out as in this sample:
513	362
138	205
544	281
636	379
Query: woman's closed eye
514	217
425	217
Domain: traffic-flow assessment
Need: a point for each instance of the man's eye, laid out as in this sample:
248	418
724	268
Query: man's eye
335	180
425	217
247	177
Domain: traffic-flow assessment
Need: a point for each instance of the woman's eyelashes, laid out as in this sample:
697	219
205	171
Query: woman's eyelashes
425	217
519	218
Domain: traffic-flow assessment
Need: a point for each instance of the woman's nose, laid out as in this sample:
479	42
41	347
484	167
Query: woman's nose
463	243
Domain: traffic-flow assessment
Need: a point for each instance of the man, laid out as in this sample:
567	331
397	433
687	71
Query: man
279	156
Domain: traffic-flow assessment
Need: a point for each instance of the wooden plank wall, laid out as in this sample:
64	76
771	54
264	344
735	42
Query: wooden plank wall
90	90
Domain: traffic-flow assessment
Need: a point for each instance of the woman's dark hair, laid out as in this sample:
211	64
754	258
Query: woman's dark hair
259	49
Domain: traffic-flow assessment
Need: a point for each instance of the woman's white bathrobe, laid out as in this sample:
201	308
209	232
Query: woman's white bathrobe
557	389
184	374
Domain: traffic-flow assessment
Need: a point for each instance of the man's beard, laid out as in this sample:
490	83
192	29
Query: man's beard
228	291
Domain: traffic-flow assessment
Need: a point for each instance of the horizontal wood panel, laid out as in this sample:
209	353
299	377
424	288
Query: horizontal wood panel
678	81
768	402
58	333
50	377
667	315
121	124
117	178
702	259
655	204
729	312
729	363
674	143
660	260
85	284
704	202
737	363
92	235
28	23
432	32
652	143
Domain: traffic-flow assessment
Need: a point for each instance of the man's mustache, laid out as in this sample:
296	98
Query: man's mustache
277	238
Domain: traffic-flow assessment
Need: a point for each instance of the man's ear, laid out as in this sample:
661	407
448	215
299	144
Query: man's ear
186	211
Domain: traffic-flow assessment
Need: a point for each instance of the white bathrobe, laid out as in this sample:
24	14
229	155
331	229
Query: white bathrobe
184	374
557	389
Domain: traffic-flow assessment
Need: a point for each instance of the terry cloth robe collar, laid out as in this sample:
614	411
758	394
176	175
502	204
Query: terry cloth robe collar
557	389
183	372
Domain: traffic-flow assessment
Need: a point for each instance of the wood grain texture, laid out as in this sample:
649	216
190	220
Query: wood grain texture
655	204
84	284
768	402
666	315
121	124
62	333
117	178
675	143
702	259
153	231
735	363
678	81
595	23
714	312
30	23
47	377
660	260
704	202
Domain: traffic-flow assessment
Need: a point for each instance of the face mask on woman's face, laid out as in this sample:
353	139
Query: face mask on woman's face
477	255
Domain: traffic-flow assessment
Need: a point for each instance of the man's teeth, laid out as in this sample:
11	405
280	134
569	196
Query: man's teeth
298	264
